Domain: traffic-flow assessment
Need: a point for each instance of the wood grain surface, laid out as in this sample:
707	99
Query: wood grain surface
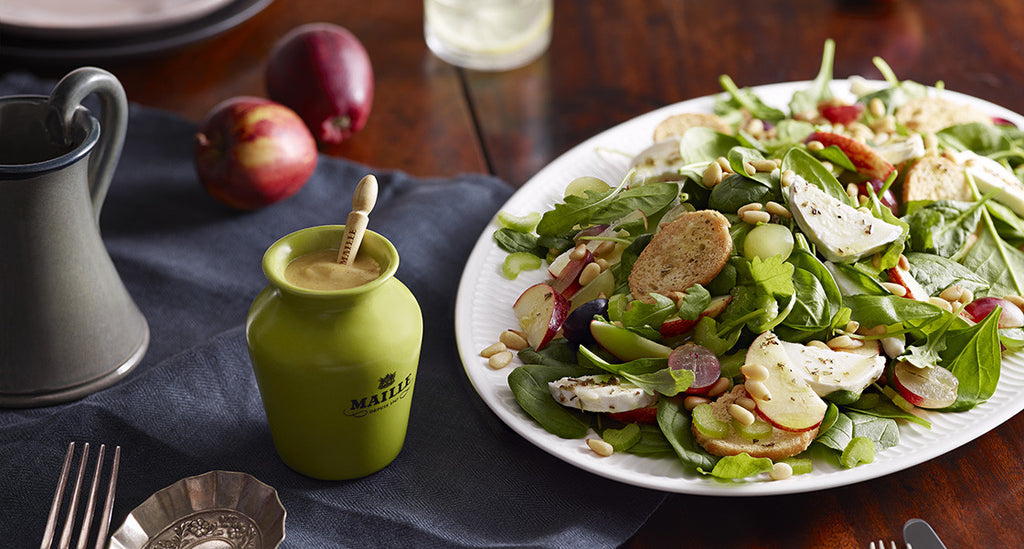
609	62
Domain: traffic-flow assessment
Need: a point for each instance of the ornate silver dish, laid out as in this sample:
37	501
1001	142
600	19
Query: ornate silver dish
216	510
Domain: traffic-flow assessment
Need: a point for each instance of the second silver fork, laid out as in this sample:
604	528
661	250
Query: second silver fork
90	507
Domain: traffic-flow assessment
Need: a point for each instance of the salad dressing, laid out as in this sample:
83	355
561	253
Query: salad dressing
321	271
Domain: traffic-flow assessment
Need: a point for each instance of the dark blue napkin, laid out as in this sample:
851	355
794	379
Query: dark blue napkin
192	406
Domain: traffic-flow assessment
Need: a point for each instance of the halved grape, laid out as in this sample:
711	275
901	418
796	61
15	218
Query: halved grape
701	361
580	186
576	327
767	240
932	388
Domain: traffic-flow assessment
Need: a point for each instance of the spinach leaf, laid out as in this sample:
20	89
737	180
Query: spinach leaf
674	422
984	139
1007	224
736	190
740	466
998	262
885	408
529	385
942	227
812	171
875	310
806	101
739	156
852	279
936	273
839	435
652	442
700	144
973	355
556	353
812	314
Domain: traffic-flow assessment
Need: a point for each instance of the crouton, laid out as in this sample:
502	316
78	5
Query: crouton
676	125
779	445
936	178
931	114
692	249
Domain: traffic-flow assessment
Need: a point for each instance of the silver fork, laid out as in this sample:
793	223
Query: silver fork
882	545
90	507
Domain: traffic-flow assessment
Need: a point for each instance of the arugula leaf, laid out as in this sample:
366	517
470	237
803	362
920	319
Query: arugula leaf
674	422
650	374
639	314
529	385
695	300
513	241
607	206
773	275
705	333
806	101
746	98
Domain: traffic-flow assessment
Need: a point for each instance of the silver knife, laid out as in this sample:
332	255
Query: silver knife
919	535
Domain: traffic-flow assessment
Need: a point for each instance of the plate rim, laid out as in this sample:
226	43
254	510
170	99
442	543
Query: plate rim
481	379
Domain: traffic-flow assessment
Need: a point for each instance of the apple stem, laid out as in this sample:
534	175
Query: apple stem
363	199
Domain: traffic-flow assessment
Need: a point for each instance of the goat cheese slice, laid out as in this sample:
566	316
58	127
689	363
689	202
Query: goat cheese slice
990	175
841	232
828	371
599	393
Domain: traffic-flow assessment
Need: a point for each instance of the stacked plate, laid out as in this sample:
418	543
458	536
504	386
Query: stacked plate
72	30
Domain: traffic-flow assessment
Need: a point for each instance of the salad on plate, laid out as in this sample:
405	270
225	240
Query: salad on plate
767	289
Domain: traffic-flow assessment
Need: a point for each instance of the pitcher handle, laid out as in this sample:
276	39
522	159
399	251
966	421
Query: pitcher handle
67	97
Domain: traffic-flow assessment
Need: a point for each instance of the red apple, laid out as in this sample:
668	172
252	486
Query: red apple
567	281
251	152
323	72
840	114
932	388
867	160
541	311
1010	317
788	402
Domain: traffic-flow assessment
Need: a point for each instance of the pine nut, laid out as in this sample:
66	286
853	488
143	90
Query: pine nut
967	296
741	414
895	289
755	126
493	349
941	303
754	218
903	263
1016	300
752	207
724	164
749	168
852	190
603	263
879	330
604	248
777	209
787	178
589	273
754	372
720	386
817	343
764	165
827	165
513	340
747	403
852	327
952	293
877	108
844	342
876	260
712	175
500	360
815	146
692	401
758	390
600	447
579	252
781	470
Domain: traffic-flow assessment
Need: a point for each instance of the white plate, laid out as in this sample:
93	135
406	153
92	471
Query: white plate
63	19
484	309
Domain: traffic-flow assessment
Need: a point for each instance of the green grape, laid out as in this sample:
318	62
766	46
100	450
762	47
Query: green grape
767	240
580	186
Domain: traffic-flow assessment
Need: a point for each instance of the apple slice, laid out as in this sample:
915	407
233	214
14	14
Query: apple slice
625	344
789	402
541	311
1010	317
678	326
867	160
931	388
567	281
905	279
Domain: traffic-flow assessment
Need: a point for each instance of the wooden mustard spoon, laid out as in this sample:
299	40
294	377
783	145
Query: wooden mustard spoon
363	199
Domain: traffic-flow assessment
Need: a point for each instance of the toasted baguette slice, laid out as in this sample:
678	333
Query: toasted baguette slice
677	124
931	114
936	178
690	250
779	445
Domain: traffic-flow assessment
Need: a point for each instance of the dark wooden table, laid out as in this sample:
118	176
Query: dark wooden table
609	62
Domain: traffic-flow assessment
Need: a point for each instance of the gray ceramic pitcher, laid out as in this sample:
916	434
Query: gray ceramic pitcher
68	326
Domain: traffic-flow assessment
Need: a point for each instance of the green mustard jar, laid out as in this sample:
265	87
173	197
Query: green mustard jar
335	368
